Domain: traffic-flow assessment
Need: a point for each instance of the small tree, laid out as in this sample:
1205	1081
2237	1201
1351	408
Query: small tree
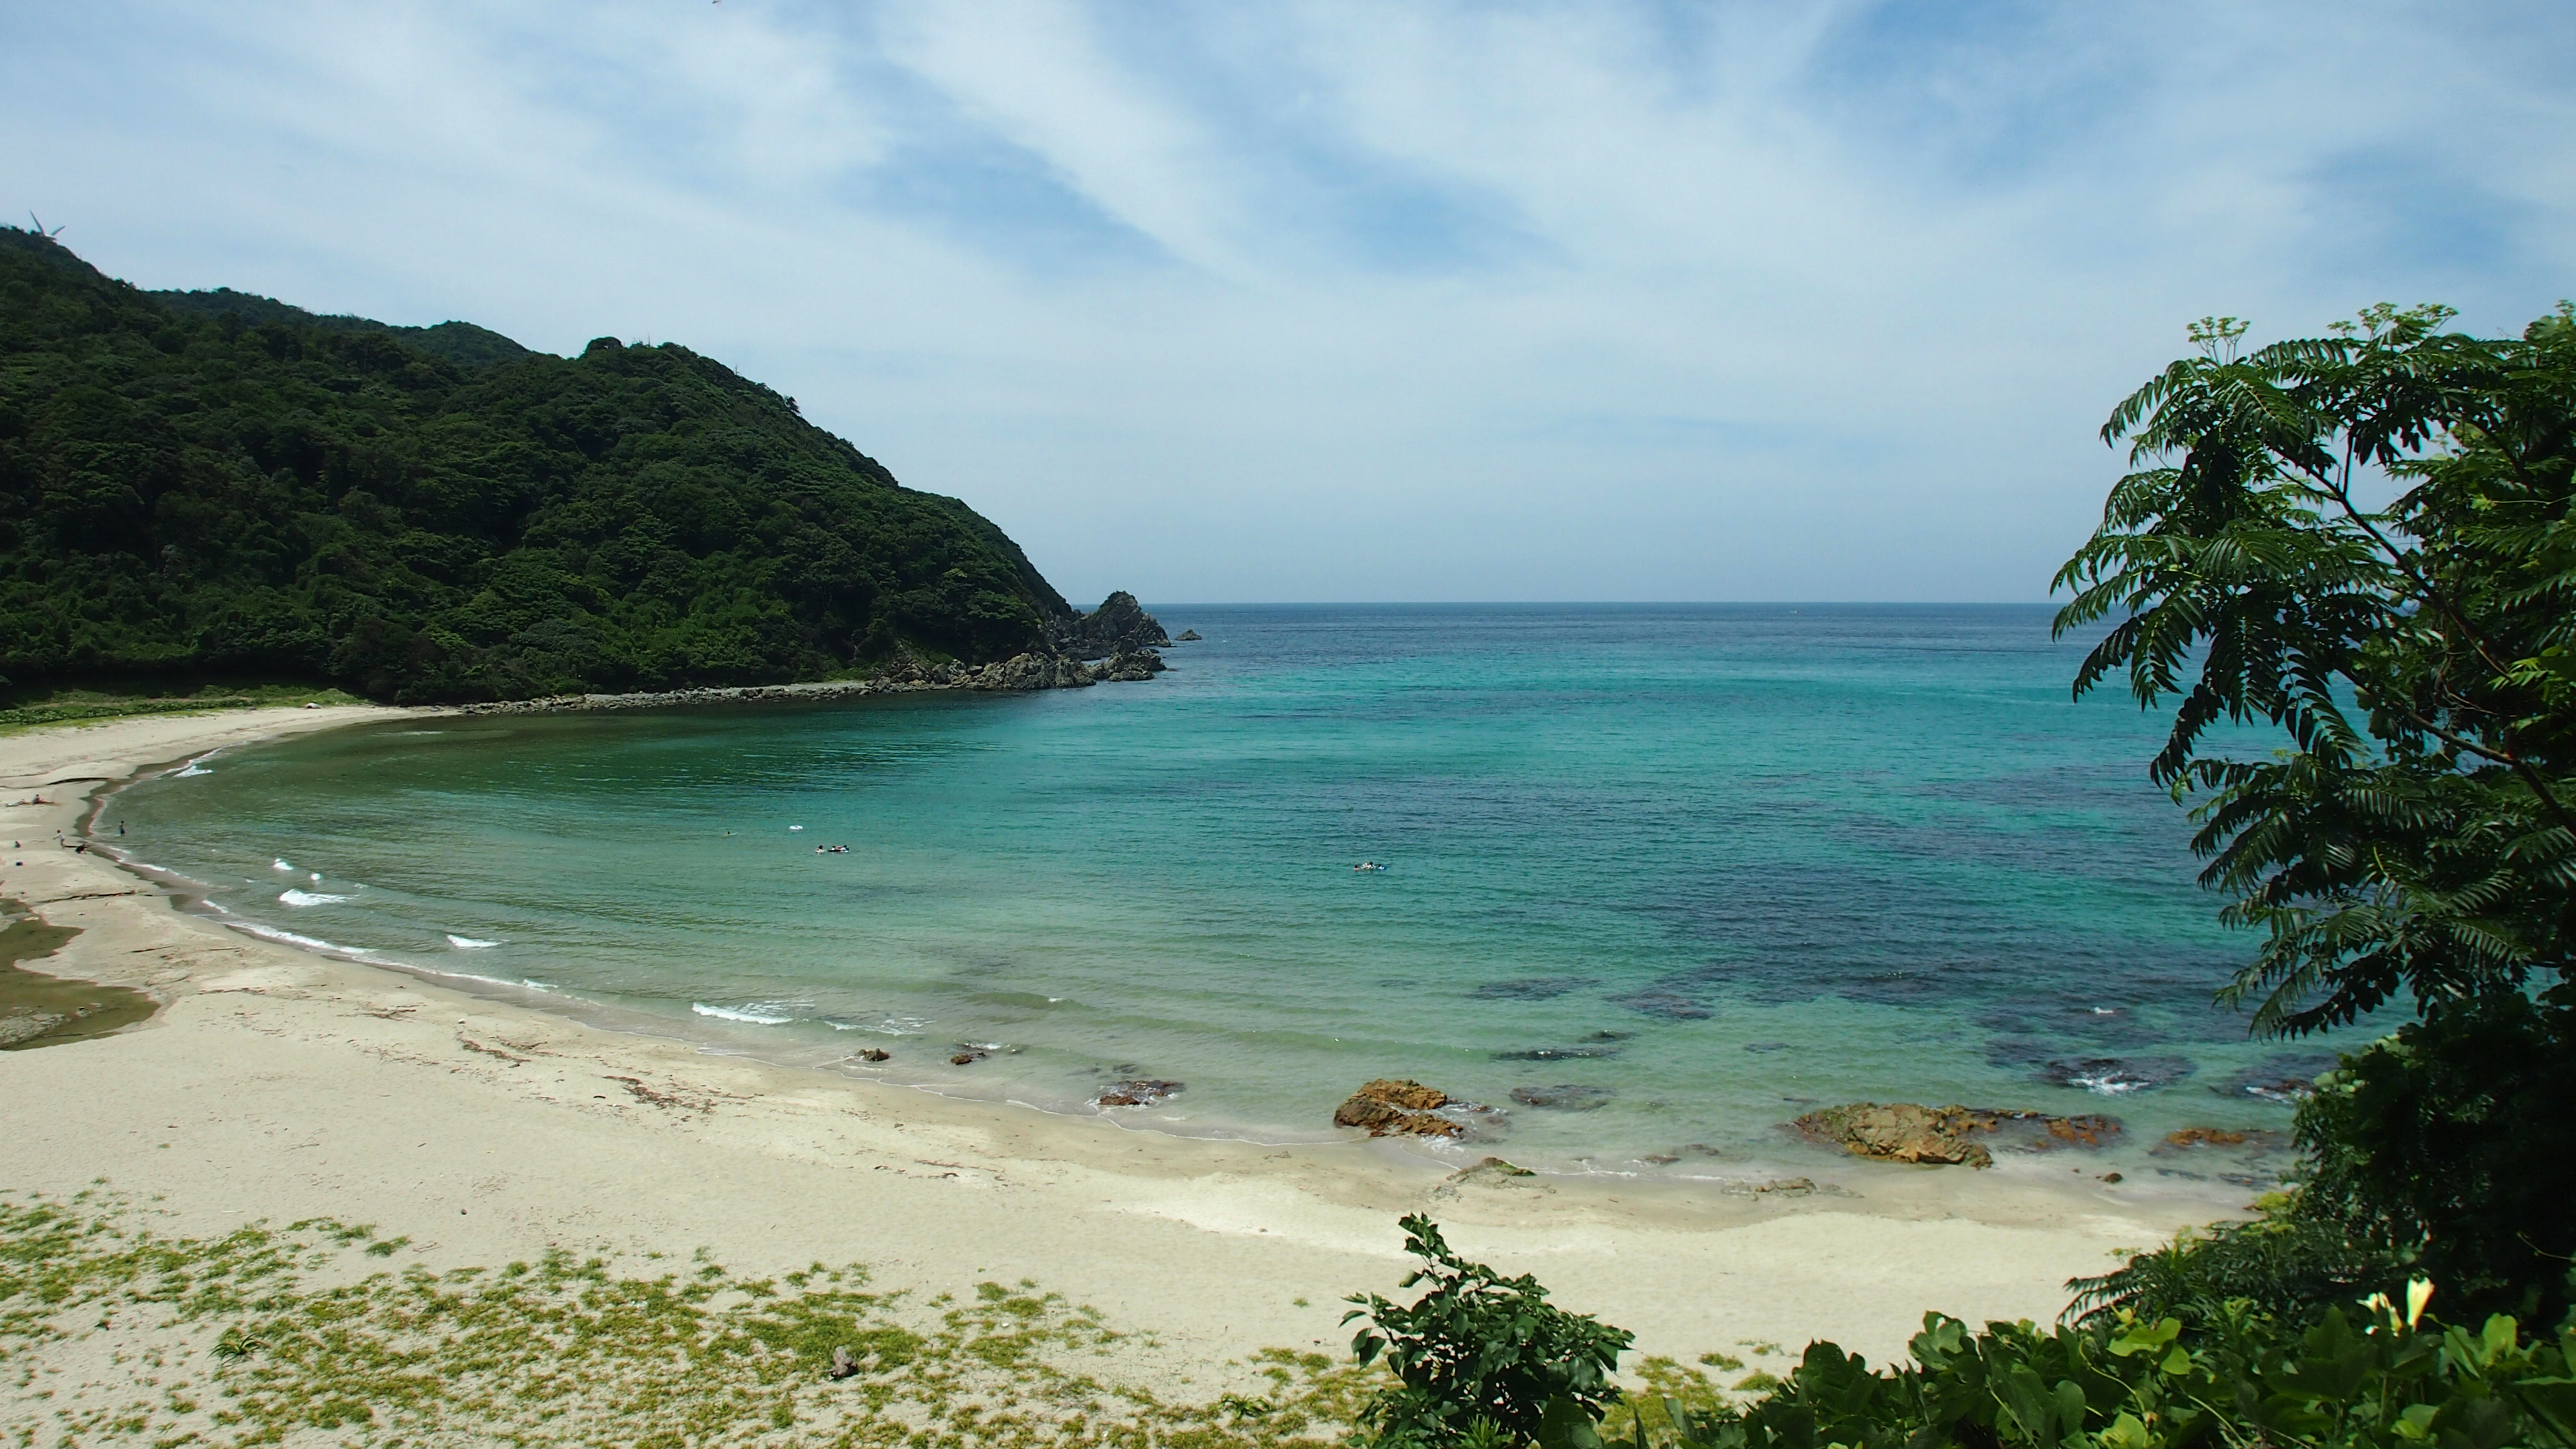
1482	1360
2416	844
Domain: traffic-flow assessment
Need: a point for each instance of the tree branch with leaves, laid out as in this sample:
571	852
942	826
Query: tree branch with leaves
2415	841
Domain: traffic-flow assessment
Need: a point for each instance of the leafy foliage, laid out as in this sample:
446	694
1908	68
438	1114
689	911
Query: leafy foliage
461	343
213	487
2417	840
2448	1142
1481	1359
1474	1358
2139	1383
2414	845
2288	1262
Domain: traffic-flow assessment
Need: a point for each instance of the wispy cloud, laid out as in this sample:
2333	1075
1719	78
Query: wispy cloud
1342	300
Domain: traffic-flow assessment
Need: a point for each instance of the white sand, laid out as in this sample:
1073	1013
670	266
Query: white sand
281	1085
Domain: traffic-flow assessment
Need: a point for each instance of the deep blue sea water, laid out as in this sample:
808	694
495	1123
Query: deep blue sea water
1675	872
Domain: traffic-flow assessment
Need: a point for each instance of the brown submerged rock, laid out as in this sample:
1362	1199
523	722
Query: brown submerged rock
1397	1105
1911	1132
2225	1137
2090	1130
1901	1132
1142	1092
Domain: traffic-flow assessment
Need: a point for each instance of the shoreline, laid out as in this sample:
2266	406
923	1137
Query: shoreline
287	1084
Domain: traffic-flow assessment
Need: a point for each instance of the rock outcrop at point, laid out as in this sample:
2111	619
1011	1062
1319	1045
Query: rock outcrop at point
1119	626
905	675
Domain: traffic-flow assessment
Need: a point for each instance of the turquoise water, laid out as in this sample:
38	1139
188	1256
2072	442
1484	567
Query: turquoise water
1676	872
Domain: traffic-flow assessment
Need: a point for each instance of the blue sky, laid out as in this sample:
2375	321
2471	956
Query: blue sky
1362	301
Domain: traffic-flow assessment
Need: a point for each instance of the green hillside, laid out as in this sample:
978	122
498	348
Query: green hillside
462	343
210	486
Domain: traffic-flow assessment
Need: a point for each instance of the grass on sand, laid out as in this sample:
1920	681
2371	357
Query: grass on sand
81	706
112	1333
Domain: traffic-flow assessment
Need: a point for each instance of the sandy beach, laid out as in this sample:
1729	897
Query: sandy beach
278	1085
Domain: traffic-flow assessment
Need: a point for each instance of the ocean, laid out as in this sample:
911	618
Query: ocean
1657	879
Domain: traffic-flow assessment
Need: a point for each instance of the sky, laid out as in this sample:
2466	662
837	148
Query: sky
1381	301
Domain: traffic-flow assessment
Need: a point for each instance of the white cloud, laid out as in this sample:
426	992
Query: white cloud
1334	300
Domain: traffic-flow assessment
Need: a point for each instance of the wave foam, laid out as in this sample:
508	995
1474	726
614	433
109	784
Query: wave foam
281	863
890	1026
190	770
290	938
310	898
758	1013
2109	1084
468	943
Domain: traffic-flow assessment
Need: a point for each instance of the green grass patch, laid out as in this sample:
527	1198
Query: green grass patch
110	1332
81	706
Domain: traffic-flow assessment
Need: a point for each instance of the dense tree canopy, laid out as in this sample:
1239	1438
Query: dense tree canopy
216	486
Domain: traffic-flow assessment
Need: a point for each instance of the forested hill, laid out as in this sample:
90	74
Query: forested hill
211	486
462	343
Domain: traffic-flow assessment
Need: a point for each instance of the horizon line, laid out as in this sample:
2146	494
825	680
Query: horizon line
1603	603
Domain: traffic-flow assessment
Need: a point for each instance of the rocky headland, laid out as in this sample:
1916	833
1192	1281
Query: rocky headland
1113	644
1120	626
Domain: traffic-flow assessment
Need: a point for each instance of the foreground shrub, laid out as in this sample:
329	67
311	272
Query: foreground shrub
1487	1361
2451	1145
2130	1383
1480	1359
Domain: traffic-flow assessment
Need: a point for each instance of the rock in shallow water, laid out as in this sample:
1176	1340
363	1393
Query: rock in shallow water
1402	1106
1566	1097
2114	1076
1532	988
2257	1138
2285	1079
2099	1072
1911	1132
1140	1092
1900	1132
